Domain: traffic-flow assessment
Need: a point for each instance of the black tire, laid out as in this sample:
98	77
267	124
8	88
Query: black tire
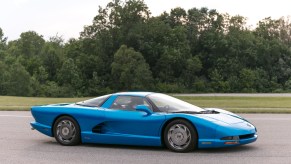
180	136
67	131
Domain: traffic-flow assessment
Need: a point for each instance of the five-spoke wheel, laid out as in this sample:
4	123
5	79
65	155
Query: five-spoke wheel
180	136
67	131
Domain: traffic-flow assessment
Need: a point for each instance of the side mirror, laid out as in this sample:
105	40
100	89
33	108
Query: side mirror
144	108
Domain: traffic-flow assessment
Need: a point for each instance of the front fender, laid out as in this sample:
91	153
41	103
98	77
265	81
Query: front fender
205	127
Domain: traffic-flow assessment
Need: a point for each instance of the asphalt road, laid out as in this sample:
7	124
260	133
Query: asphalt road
19	144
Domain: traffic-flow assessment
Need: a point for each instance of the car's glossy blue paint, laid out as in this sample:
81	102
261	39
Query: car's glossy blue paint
141	128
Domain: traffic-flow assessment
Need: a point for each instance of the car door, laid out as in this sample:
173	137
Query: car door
123	119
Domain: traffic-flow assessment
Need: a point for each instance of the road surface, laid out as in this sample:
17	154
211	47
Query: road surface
19	144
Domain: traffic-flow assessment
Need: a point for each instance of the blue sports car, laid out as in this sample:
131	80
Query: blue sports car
142	118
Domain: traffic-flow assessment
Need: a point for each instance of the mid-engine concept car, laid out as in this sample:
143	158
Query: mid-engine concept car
142	118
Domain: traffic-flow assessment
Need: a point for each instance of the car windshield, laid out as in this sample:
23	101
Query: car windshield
167	103
95	102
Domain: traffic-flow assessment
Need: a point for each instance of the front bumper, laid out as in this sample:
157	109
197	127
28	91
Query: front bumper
47	130
218	143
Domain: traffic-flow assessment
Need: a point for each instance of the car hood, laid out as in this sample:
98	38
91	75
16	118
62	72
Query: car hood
222	117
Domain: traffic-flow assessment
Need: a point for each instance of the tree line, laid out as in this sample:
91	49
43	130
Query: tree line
126	49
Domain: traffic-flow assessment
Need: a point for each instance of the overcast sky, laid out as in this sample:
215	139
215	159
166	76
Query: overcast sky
68	17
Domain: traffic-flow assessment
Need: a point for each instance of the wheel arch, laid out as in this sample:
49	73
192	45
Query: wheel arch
172	119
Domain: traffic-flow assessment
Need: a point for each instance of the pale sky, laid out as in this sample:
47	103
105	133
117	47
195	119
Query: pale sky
68	17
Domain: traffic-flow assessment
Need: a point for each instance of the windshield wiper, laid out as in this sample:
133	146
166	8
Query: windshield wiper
210	112
201	112
187	112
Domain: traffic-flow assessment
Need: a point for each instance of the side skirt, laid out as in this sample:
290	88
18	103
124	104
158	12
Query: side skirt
123	139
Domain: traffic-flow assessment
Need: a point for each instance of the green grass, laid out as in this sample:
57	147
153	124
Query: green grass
24	103
243	104
234	104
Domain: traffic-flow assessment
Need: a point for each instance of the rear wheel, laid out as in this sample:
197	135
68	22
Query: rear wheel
67	131
180	136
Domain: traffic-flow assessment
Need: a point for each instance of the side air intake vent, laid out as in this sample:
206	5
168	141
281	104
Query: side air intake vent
98	128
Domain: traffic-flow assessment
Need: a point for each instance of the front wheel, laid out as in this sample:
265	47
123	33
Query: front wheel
67	131
180	136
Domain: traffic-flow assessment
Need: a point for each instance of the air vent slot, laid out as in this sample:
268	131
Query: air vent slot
98	128
247	136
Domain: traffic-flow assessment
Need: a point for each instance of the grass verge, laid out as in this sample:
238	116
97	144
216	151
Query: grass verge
12	103
234	104
243	104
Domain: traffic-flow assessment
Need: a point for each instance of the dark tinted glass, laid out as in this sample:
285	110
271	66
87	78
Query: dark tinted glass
95	102
128	102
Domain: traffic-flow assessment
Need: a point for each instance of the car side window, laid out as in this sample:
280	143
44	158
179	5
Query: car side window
128	102
95	102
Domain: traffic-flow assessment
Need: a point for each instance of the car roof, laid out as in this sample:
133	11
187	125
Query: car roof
143	94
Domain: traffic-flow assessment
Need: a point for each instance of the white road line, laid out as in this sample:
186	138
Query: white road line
14	116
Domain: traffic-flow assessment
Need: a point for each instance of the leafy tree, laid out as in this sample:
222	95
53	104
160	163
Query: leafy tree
30	44
2	40
218	83
130	71
97	86
18	83
52	58
69	76
247	80
4	77
41	75
27	49
174	57
3	44
125	48
193	67
52	89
